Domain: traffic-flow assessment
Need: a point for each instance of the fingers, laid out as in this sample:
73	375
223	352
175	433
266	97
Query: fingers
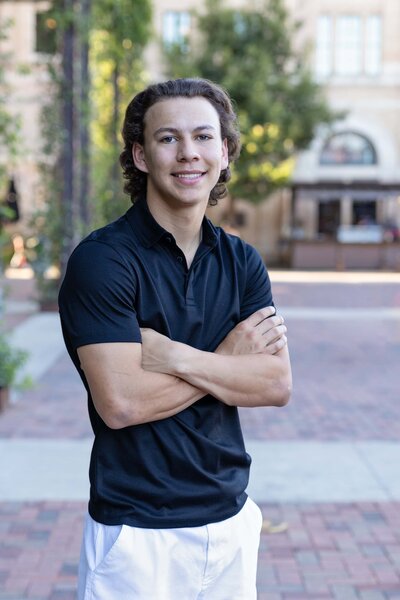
274	321
262	332
274	333
276	346
266	323
259	316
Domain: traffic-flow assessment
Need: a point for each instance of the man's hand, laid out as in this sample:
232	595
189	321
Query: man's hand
251	366
261	333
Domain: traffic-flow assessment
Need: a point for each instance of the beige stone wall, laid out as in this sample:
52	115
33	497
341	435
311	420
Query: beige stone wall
372	103
28	90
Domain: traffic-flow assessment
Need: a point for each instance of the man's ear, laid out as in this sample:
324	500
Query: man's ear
225	155
138	157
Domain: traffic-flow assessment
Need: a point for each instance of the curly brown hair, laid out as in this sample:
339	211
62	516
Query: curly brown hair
133	128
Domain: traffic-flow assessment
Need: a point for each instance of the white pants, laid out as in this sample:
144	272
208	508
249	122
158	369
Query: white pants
213	562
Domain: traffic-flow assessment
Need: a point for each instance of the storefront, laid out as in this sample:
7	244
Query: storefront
345	226
347	221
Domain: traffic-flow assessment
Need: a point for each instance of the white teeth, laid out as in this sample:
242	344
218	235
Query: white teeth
188	175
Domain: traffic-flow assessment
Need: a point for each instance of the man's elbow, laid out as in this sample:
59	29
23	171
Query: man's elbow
283	382
280	392
117	415
114	420
283	393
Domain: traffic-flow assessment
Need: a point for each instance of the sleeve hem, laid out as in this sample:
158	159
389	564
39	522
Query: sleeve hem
87	341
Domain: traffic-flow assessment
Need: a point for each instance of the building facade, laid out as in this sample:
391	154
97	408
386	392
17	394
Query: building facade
346	192
343	209
27	81
344	206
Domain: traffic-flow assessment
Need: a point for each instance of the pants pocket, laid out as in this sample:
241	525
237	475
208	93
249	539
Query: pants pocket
100	541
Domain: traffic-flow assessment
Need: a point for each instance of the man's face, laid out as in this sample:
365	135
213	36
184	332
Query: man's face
183	153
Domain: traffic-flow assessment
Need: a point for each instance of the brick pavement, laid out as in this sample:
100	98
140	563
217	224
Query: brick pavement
54	408
337	295
346	383
330	551
346	388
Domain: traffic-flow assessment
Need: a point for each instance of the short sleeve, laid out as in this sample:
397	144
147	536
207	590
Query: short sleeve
97	297
258	293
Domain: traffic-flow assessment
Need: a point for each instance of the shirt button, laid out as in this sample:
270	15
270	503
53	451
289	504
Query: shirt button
179	259
169	240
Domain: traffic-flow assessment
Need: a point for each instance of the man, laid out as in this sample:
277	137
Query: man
171	325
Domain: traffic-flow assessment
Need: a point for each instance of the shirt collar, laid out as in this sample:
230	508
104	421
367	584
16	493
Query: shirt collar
149	232
146	228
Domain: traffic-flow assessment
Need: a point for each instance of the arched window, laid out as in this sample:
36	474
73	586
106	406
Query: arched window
348	148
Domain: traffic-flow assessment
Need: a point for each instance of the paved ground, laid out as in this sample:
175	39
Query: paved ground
327	464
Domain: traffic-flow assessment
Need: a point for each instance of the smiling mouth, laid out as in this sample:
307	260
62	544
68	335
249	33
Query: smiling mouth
188	176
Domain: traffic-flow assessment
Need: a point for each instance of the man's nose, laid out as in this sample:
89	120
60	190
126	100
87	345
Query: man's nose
187	151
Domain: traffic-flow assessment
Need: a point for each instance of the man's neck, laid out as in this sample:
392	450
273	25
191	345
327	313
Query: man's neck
185	224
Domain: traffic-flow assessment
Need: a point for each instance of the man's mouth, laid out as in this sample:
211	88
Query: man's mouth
188	176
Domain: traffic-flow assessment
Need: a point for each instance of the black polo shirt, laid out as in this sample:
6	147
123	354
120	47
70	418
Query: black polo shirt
192	468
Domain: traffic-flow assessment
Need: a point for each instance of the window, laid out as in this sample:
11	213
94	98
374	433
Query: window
324	46
364	212
176	28
328	217
373	44
348	45
348	148
348	48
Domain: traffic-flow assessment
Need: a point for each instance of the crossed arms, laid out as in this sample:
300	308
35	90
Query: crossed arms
134	383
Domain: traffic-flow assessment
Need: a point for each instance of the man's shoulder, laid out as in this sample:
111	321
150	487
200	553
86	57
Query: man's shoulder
106	251
116	236
101	260
241	249
111	233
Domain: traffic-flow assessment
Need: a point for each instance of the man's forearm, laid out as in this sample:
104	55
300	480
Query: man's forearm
157	396
251	366
124	393
243	380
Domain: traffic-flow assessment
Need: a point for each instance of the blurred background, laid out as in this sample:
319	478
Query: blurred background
317	91
316	85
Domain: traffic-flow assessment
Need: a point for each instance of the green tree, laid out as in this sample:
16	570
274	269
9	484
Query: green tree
100	45
121	28
251	54
59	224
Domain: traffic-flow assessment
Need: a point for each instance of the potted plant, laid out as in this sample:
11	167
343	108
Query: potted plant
11	359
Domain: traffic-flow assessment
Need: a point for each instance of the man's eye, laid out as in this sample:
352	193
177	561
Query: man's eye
168	139
203	137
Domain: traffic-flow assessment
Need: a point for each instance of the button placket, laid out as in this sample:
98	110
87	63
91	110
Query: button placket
189	289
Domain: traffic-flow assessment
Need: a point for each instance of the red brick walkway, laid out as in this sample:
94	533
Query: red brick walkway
346	388
329	551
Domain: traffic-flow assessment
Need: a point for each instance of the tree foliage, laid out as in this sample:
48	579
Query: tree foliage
120	31
251	54
100	45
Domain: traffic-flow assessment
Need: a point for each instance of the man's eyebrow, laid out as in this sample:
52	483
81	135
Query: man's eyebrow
175	130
